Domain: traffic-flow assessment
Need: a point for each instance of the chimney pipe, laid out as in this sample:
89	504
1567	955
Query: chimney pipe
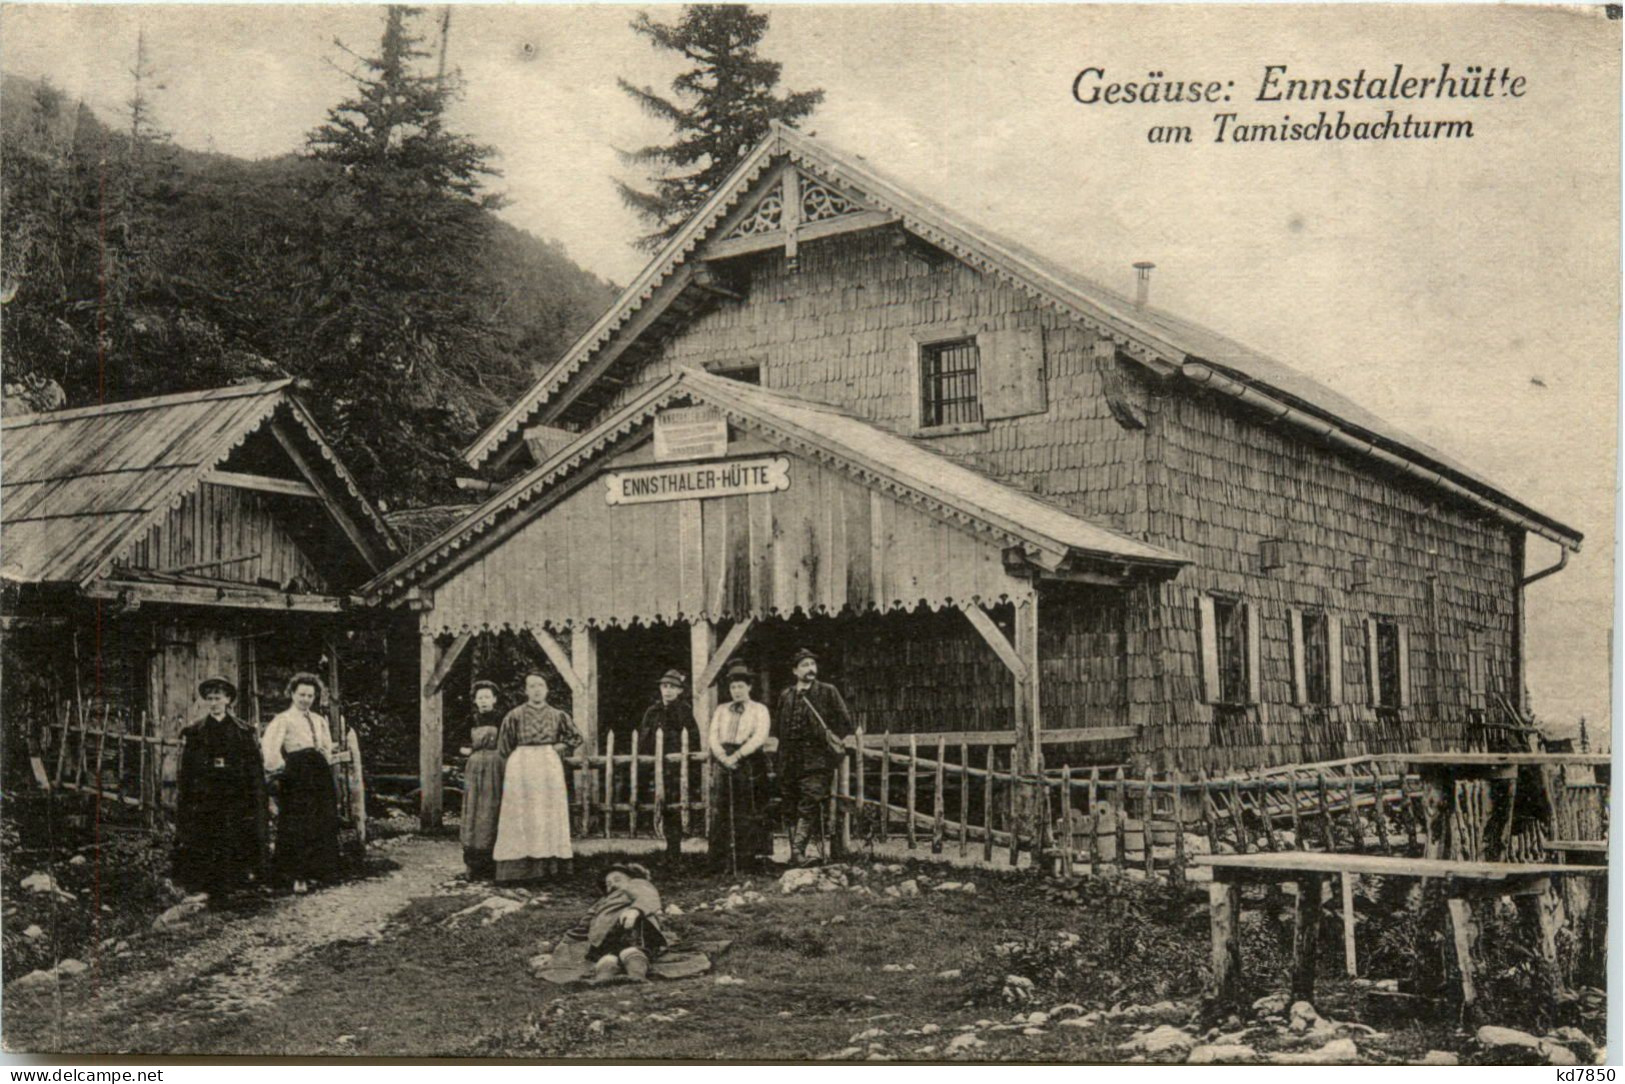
1142	283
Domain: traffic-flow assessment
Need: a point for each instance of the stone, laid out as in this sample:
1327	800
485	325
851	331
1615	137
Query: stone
1271	1005
1575	1040
1070	1008
673	909
33	933
1490	1035
1439	1057
966	1041
39	881
177	914
486	911
1227	1054
540	962
34	980
1034	1031
1336	1052
841	1055
1037	1019
122	946
948	886
891	967
925	1051
1558	1054
837	920
930	1029
1162	1012
908	889
729	980
951	973
77	860
71	967
868	1034
1303	1016
969	889
1163	1039
797	879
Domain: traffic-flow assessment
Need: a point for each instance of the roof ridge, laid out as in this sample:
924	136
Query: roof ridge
154	402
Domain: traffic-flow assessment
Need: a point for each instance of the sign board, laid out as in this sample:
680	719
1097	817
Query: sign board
697	432
693	481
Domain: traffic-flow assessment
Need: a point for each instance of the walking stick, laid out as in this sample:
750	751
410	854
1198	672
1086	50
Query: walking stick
733	844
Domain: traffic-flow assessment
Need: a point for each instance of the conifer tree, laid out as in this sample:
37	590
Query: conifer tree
720	109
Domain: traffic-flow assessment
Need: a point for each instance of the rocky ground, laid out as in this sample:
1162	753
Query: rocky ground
872	960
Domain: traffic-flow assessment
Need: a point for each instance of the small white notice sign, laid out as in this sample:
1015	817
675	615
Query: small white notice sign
697	432
698	480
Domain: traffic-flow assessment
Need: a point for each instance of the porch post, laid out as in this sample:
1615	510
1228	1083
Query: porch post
702	644
1029	724
584	661
429	728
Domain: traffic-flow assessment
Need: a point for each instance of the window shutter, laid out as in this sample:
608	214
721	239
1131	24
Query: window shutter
1207	628
1255	676
1300	683
1012	376
1334	658
1404	667
1373	669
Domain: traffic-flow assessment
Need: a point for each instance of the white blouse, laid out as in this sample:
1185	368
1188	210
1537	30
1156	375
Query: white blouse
748	728
292	731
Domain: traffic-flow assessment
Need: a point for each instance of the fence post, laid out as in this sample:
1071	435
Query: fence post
938	829
1177	874
1297	816
913	765
1378	811
1145	831
885	784
1410	809
1356	829
964	799
987	808
682	783
857	765
846	806
1094	822
1327	837
1122	823
1236	817
660	782
632	791
1068	841
1014	812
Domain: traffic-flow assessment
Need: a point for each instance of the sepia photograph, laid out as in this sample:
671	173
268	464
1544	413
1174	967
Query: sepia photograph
798	533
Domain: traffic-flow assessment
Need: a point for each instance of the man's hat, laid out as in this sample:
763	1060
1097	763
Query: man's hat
478	685
635	870
209	684
672	677
739	671
804	653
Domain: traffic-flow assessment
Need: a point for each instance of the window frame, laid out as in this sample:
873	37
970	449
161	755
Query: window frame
924	346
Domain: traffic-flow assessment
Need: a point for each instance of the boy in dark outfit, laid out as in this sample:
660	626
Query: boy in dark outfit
671	715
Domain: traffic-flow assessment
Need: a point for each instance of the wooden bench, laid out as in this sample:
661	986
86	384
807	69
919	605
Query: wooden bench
1529	884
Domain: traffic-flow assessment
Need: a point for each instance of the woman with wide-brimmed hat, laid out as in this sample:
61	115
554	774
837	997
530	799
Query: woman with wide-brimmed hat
741	835
297	747
533	831
482	784
220	812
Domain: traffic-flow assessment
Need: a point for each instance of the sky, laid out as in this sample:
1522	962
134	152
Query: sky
1466	290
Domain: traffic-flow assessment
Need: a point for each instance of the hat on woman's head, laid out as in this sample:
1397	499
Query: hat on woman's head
635	870
209	684
304	677
739	671
672	677
478	685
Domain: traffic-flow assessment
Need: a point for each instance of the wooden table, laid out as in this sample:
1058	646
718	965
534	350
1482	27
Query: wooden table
1529	884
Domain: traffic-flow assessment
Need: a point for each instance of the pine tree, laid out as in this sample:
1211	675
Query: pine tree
723	107
400	335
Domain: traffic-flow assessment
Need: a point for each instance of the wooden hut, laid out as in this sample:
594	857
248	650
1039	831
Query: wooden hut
999	496
150	543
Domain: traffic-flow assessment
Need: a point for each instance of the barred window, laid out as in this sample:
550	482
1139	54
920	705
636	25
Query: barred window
949	392
1231	624
1316	660
1388	665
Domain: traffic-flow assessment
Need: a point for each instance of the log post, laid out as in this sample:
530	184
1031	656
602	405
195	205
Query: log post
1351	962
1224	913
938	799
431	796
964	799
1465	930
1305	938
702	644
584	697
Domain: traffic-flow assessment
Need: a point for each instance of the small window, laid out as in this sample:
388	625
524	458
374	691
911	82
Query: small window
949	383
1230	625
1317	686
1388	664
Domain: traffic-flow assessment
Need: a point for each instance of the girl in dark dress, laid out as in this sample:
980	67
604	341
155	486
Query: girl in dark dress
297	744
220	812
482	785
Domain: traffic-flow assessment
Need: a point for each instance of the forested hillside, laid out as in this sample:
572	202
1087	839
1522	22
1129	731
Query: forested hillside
134	267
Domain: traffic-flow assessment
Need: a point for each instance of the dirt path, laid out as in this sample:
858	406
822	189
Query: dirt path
240	968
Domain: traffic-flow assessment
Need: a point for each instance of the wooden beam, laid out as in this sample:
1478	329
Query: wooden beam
247	596
335	510
429	732
584	696
776	239
702	644
448	659
730	644
997	641
560	659
262	483
706	279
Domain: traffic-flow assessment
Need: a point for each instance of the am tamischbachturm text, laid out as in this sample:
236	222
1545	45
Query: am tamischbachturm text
1327	128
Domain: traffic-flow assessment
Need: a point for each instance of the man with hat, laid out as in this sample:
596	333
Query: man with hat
670	715
220	813
813	719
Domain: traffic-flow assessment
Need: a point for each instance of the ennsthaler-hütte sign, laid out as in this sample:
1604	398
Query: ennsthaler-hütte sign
692	481
696	432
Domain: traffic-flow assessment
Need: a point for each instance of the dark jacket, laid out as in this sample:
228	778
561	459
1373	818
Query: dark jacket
673	718
802	745
220	812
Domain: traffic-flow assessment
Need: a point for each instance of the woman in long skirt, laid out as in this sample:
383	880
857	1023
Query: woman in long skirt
482	785
741	836
533	832
220	811
298	745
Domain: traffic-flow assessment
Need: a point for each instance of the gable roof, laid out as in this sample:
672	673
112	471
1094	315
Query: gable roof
1151	336
80	487
901	466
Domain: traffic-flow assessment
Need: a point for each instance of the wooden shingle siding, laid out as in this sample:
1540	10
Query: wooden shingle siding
1230	483
842	329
